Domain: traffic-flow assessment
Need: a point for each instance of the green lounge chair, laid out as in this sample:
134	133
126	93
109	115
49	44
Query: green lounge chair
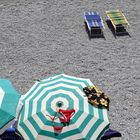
118	21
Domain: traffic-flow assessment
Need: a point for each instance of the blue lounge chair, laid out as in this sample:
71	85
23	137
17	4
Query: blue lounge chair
94	23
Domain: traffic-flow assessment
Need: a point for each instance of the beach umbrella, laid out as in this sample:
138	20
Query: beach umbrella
60	92
9	99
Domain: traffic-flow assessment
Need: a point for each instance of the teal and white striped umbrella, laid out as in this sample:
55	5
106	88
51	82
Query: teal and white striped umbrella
9	99
43	98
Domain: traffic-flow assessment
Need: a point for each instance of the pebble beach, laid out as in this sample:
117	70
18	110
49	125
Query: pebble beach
41	38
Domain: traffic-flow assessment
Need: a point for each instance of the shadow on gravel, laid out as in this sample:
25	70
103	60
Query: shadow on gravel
110	26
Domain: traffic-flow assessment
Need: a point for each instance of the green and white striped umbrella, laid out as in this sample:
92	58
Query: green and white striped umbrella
42	99
9	99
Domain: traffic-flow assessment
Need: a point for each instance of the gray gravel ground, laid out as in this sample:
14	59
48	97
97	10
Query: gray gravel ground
40	38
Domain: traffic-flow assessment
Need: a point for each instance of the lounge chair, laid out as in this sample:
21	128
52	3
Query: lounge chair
94	23
118	21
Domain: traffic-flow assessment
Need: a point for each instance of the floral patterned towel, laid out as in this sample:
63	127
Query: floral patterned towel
96	97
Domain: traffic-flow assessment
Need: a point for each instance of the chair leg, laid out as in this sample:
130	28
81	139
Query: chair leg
90	33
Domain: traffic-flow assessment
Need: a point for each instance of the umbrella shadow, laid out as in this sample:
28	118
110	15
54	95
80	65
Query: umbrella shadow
110	26
93	35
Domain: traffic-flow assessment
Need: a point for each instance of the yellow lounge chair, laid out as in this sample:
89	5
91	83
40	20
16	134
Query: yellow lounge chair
118	21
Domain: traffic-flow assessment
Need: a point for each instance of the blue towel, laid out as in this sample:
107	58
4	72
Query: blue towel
93	19
110	134
94	23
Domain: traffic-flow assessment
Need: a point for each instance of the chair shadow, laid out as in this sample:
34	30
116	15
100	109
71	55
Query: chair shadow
110	26
93	36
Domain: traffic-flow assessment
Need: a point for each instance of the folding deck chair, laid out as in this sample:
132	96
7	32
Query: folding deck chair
118	21
94	23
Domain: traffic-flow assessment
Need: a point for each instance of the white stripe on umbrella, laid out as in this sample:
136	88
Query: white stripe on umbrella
76	78
29	125
94	137
2	93
89	125
64	75
44	102
29	92
85	131
44	90
47	84
75	105
70	127
45	127
74	137
52	82
96	112
105	115
37	119
70	94
23	133
78	123
47	97
98	130
65	103
58	92
41	124
41	137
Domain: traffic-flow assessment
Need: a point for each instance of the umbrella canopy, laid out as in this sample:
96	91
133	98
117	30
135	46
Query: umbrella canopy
60	92
9	99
